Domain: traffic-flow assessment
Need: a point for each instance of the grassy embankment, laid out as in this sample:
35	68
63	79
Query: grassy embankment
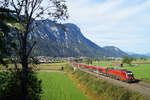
98	89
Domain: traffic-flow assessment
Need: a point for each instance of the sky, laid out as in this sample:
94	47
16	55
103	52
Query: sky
121	23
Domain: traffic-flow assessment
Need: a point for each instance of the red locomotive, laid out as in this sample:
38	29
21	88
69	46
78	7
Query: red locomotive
118	74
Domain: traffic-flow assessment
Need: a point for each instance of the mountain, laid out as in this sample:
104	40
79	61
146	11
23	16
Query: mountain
66	40
115	51
148	54
63	40
135	55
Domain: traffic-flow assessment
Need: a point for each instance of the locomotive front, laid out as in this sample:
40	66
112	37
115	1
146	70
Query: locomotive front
129	76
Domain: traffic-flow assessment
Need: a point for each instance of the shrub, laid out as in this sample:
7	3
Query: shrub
68	68
10	86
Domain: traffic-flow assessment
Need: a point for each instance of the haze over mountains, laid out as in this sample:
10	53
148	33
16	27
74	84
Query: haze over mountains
66	40
148	54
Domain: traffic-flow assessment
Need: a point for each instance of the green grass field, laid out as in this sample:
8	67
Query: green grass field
141	71
57	86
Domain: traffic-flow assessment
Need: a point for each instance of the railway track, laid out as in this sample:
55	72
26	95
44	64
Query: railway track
144	84
140	87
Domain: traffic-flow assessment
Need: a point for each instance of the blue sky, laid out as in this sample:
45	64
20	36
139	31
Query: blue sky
121	23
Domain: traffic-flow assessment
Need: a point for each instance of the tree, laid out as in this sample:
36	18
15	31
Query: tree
144	59
88	61
127	60
5	41
10	81
26	11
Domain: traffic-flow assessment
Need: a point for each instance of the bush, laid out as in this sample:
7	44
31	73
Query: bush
10	86
68	68
127	60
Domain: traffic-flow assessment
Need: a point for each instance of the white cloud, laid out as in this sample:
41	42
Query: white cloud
104	22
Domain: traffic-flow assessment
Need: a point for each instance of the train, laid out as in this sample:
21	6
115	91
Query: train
118	74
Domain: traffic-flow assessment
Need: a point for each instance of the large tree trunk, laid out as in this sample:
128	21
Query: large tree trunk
24	79
25	69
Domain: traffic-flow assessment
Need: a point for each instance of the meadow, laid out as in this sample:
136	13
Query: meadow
58	86
141	71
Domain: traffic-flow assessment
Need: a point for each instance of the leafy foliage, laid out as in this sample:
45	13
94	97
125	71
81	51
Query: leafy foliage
10	86
88	61
5	38
127	60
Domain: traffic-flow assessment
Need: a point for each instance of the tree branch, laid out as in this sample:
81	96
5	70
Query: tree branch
29	51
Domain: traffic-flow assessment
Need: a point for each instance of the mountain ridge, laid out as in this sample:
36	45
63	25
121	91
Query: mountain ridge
66	40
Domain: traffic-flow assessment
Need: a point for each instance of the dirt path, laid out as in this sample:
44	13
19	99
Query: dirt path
52	71
142	88
49	71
